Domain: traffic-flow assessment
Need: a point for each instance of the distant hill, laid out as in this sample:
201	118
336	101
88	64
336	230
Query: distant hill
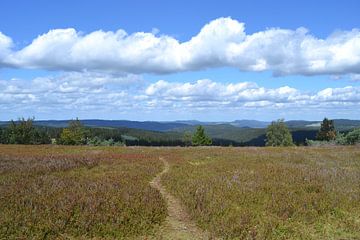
249	123
247	136
238	133
341	124
302	124
147	125
346	124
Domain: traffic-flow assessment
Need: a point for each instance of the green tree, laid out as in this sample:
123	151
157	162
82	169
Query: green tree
327	131
200	138
187	138
24	132
278	134
353	137
74	134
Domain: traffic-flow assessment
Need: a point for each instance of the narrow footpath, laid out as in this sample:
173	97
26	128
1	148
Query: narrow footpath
178	225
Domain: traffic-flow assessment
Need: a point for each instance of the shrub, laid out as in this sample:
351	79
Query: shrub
340	139
74	134
97	141
353	137
24	132
315	143
278	134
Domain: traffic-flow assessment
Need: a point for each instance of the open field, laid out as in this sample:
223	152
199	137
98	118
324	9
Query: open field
270	193
49	192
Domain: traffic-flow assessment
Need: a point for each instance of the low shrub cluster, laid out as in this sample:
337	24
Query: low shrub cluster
350	138
97	141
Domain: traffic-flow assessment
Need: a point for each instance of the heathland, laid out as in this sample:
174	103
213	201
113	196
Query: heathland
82	192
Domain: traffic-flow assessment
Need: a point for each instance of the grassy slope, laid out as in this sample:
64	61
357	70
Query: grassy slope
270	193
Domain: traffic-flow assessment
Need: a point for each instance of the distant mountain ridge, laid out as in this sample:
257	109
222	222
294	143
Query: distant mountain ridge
146	125
236	133
164	126
250	123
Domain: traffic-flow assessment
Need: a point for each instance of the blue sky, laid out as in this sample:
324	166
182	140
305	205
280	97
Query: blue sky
238	66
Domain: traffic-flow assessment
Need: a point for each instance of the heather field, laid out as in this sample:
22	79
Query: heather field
270	193
58	192
51	192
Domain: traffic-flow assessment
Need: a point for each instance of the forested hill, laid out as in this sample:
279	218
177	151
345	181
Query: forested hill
150	133
147	125
340	124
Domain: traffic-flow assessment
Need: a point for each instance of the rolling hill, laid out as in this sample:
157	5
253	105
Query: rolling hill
237	133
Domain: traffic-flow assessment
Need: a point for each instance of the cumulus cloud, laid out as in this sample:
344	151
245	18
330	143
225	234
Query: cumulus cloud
207	90
96	93
221	42
5	46
247	94
69	91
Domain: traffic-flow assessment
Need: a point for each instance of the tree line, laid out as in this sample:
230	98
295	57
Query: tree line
24	131
278	134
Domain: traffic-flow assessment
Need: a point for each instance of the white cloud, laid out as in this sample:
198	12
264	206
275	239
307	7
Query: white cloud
221	42
5	46
98	93
213	95
346	95
207	90
69	91
127	97
355	77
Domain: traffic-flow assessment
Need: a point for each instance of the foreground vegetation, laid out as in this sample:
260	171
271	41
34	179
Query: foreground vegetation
82	192
49	192
270	193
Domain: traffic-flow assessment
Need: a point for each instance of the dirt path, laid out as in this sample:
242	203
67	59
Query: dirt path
178	224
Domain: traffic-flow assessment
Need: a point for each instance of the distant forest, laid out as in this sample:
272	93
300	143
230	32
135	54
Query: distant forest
27	131
119	136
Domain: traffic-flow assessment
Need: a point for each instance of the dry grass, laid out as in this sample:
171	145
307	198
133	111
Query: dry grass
72	192
270	193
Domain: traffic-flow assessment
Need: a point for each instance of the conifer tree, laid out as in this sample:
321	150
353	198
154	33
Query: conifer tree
327	131
200	138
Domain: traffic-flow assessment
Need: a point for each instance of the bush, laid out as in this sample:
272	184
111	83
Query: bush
353	137
23	132
315	143
341	139
74	134
97	141
278	134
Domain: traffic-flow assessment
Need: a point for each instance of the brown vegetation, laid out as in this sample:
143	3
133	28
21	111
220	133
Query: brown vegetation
231	193
63	192
270	193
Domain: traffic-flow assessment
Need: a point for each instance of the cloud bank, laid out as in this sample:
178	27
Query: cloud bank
221	42
108	95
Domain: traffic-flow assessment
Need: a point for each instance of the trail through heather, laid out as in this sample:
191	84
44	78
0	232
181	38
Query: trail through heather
178	224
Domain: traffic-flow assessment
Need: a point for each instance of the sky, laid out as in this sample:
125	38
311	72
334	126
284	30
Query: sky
180	60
